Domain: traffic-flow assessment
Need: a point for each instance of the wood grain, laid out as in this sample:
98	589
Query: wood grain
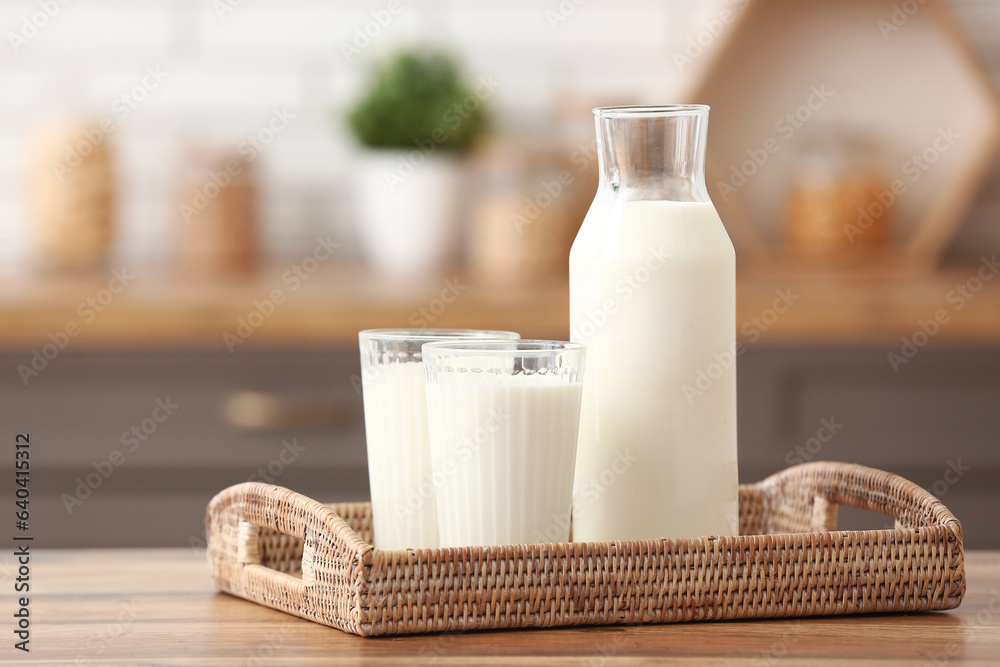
169	311
171	616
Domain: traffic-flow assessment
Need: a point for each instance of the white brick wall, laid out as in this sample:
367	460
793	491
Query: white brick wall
227	74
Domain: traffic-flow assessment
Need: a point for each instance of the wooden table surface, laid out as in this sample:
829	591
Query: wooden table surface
778	307
144	607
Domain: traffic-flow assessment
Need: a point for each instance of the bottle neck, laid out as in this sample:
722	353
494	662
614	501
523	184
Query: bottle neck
653	153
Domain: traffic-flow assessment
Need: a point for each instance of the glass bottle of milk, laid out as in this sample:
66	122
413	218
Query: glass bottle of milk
653	297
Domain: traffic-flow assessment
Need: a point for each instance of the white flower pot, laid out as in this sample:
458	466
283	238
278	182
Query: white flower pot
407	207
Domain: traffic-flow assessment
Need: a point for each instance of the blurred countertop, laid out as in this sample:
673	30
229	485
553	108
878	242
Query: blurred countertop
959	305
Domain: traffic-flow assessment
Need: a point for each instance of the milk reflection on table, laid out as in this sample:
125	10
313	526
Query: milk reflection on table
399	466
503	445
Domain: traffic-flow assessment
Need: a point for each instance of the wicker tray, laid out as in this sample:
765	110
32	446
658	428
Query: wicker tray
280	549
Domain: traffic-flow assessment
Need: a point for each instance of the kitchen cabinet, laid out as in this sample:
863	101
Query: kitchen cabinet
934	422
87	406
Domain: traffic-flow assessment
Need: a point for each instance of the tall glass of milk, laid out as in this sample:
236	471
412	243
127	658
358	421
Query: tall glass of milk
652	295
503	418
404	511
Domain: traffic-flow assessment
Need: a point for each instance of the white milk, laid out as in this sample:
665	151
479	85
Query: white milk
652	295
503	459
403	508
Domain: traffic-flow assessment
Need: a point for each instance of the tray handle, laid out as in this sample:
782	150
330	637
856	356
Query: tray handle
804	498
245	523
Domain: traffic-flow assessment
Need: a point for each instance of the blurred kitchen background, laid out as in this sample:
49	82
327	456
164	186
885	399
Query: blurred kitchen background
203	201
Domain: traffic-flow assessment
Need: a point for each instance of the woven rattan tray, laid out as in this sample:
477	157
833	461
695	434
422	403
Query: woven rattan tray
283	550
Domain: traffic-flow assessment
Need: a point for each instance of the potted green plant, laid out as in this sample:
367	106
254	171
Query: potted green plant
415	120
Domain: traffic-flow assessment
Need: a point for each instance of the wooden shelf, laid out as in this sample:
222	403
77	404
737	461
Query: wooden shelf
833	71
160	309
164	311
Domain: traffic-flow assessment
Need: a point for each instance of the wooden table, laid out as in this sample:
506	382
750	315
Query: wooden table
140	606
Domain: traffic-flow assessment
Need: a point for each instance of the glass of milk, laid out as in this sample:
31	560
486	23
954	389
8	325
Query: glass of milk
503	418
399	464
